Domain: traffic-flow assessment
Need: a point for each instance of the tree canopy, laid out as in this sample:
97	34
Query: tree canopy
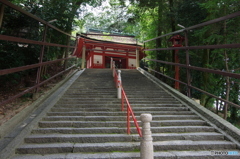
145	19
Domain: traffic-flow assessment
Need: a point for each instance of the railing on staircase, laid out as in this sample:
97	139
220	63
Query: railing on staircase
20	42
122	95
232	76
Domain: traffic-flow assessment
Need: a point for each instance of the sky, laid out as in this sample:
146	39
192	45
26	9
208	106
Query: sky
95	11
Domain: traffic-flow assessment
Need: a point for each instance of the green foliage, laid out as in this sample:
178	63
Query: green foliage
46	76
146	19
19	25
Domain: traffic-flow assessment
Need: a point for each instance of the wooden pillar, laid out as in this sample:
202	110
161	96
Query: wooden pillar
103	58
83	56
127	57
177	86
137	58
92	60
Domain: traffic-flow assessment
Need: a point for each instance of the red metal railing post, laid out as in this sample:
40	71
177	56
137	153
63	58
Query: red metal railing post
123	98
128	120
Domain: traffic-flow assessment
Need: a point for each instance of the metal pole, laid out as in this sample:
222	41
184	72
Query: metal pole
188	64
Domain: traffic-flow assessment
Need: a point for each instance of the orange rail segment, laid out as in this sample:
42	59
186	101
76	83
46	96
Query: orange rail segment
129	108
130	112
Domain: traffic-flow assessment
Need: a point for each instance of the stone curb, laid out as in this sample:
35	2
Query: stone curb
231	132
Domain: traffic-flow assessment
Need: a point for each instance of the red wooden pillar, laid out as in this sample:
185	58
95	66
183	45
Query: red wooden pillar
177	70
92	60
177	41
127	57
103	58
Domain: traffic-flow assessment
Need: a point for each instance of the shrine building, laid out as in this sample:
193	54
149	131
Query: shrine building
97	50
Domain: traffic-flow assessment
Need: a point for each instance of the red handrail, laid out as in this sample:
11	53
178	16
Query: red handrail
130	112
129	108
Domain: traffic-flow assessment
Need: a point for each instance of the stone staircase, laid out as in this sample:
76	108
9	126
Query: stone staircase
87	122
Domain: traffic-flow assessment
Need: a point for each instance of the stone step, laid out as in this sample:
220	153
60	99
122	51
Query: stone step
103	138
143	100
93	96
116	118
136	109
90	91
79	101
192	145
180	145
112	105
74	91
117	113
154	102
81	124
147	94
97	130
80	138
135	155
113	95
110	130
88	102
160	99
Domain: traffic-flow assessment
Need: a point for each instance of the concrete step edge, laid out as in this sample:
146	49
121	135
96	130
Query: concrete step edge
136	155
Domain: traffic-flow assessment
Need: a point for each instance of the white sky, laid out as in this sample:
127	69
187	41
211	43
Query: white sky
98	10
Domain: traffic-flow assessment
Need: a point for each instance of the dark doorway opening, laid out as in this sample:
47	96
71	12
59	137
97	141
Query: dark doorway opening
119	62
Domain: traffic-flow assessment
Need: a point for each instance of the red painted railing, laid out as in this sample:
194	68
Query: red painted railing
124	100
